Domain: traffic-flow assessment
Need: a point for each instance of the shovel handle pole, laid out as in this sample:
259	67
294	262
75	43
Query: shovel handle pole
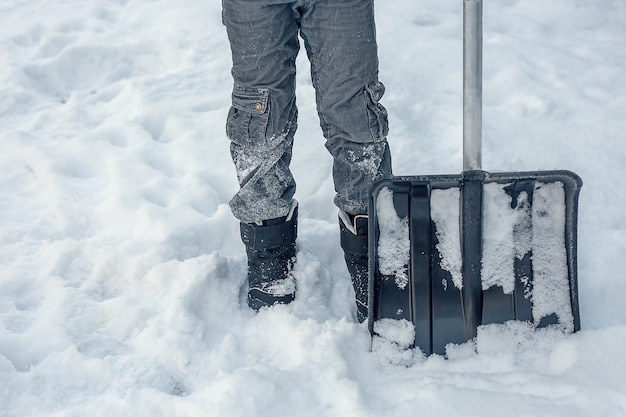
473	177
472	84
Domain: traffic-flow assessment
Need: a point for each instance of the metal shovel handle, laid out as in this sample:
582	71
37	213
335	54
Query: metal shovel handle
472	84
473	176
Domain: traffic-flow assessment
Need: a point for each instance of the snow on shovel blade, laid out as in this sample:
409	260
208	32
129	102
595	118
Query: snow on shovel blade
524	265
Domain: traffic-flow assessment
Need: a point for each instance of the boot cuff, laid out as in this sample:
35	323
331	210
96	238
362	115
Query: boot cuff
271	236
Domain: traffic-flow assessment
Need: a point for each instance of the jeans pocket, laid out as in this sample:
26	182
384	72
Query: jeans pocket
377	114
248	116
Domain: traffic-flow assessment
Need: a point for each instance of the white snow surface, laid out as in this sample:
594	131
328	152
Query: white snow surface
122	276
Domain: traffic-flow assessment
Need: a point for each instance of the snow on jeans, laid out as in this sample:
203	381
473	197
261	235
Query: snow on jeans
339	37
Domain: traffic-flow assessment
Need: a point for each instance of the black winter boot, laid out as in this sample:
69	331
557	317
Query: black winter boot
353	232
271	250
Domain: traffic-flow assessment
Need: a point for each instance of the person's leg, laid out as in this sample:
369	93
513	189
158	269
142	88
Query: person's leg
341	43
261	124
262	120
340	38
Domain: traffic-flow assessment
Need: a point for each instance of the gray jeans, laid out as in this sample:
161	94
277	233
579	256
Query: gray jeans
340	40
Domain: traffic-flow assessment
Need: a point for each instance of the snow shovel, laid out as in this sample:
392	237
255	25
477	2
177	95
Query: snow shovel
449	253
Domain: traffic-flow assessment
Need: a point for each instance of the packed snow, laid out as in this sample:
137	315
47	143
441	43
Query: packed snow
501	241
122	275
394	245
537	230
550	292
445	212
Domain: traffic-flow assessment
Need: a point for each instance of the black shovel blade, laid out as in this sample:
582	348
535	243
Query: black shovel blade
449	253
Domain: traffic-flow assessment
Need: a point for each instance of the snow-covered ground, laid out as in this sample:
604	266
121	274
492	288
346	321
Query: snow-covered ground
121	271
